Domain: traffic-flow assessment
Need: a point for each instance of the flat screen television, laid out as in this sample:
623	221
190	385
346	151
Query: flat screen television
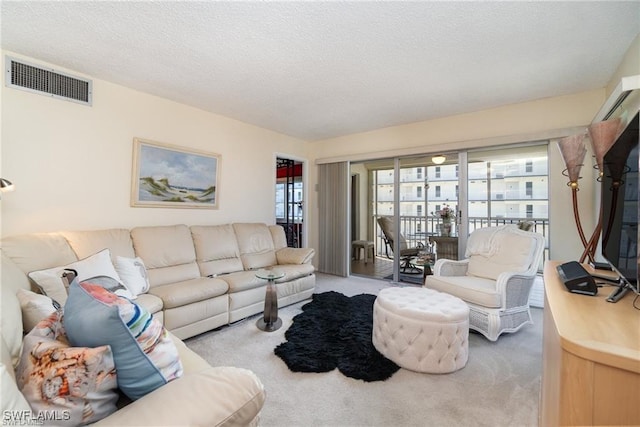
619	203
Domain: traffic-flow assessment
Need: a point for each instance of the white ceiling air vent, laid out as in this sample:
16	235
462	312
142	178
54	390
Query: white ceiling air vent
33	78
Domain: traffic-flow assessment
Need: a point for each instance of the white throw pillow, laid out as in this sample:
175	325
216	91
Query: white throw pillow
35	307
133	273
52	285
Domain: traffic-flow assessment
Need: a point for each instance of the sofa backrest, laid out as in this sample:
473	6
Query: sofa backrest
256	245
87	243
278	236
37	251
13	278
11	332
168	253
216	248
495	250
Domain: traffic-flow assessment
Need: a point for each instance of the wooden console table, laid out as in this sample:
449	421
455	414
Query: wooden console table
446	246
591	361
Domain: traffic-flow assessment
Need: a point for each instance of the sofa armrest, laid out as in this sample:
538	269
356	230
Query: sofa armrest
295	255
219	396
449	267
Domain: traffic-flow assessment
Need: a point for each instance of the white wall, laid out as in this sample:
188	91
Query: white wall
71	164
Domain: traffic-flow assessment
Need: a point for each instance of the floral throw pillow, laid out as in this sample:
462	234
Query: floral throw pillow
65	385
144	354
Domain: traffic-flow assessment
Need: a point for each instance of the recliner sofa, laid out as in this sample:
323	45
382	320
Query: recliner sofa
201	277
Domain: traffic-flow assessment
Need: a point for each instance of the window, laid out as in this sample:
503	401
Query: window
438	191
437	171
529	211
529	188
419	173
528	166
419	211
419	191
457	193
457	170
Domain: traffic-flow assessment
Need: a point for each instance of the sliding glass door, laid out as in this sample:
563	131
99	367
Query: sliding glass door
509	186
413	210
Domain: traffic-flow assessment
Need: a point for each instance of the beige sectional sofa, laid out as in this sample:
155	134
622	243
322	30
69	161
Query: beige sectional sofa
200	277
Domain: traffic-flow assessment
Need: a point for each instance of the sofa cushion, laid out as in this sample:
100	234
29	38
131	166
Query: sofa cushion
512	251
35	307
256	245
190	291
220	396
242	281
78	384
52	284
294	271
168	253
151	303
145	356
295	255
133	273
217	249
85	243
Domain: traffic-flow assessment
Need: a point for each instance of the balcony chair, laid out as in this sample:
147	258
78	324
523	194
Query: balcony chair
406	253
494	279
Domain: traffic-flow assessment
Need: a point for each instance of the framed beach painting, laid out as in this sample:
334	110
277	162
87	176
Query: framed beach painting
169	176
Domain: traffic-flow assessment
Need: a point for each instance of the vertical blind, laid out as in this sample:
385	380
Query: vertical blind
333	206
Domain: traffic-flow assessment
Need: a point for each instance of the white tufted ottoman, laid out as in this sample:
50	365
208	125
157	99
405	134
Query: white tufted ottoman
421	329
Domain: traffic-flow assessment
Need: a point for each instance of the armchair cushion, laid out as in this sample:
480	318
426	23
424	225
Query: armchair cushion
476	290
504	251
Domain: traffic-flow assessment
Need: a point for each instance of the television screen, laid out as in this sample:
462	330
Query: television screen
620	205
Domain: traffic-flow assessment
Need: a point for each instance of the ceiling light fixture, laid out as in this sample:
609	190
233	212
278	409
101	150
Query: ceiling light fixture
439	159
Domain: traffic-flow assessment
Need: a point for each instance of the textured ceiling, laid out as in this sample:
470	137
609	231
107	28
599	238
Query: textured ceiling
316	70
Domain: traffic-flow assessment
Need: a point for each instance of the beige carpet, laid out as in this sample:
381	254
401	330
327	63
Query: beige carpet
499	386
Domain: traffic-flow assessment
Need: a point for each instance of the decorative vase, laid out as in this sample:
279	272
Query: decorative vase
445	227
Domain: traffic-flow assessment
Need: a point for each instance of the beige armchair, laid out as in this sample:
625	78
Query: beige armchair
406	253
494	279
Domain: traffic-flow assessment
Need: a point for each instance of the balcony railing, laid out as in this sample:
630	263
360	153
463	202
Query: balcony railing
416	229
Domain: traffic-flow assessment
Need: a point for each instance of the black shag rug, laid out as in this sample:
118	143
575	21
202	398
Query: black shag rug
334	331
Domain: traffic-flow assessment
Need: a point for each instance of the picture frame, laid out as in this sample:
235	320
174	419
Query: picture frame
169	176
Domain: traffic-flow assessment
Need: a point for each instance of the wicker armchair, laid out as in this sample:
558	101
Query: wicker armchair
494	279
